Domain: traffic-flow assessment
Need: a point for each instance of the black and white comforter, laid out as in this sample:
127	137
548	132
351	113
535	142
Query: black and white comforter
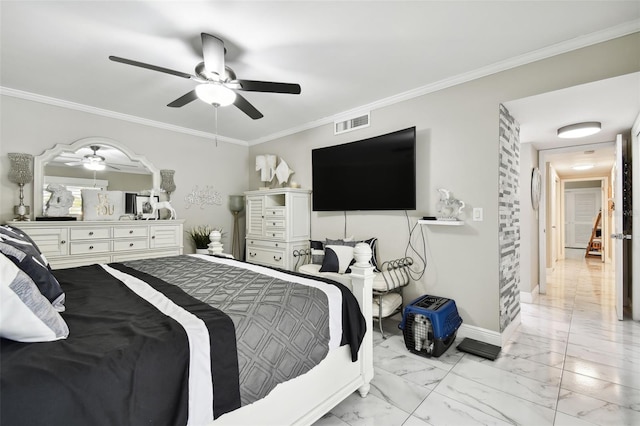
205	336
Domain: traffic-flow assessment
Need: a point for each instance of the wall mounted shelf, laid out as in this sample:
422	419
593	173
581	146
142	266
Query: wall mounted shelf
441	222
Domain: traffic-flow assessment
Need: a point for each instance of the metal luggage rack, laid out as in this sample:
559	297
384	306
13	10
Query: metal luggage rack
396	275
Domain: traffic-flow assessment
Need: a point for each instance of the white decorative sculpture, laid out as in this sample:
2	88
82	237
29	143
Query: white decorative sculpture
266	165
283	172
215	246
155	205
448	208
60	201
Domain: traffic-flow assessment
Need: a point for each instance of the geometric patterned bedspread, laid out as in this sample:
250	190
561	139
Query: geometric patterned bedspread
282	327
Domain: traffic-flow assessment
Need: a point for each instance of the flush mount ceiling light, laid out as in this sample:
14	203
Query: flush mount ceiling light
215	94
579	130
582	167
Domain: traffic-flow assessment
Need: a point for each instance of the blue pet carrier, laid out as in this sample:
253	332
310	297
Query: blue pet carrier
429	325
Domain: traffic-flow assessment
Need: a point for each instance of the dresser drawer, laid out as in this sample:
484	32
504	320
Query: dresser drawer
90	233
274	224
273	212
130	232
265	244
87	247
131	244
264	256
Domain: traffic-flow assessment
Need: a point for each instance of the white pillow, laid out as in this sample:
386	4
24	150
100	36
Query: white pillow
337	258
25	314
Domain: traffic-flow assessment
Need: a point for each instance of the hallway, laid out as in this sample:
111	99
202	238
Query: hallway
570	362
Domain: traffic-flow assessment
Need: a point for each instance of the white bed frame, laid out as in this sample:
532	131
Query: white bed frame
305	399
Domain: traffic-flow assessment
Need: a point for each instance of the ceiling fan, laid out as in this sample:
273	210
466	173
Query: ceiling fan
93	161
217	83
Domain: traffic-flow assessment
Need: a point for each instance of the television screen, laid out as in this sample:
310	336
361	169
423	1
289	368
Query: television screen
378	173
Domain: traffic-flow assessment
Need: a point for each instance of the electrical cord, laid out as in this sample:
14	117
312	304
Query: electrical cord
421	257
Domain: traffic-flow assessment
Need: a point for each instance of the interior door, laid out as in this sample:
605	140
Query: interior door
618	237
582	207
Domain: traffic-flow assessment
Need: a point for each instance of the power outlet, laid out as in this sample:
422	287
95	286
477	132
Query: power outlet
477	214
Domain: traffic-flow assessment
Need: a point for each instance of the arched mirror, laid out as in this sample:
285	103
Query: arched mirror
91	163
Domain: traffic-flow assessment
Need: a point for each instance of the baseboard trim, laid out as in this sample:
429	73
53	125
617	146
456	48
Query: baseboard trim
531	297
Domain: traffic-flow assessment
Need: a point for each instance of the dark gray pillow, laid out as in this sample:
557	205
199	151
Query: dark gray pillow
24	257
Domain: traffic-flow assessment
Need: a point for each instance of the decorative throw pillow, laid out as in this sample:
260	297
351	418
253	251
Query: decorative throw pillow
25	258
102	205
25	314
17	234
337	259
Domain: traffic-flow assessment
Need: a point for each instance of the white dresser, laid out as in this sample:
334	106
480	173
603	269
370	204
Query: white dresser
67	244
278	222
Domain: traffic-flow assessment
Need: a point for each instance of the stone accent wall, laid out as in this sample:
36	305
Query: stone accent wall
509	218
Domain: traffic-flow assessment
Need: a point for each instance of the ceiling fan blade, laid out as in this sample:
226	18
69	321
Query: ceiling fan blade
247	108
112	167
213	54
184	99
74	163
150	67
269	86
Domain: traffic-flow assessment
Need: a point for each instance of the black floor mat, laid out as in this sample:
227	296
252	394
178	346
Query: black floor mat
476	347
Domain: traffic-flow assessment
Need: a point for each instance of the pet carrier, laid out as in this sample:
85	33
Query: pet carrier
429	325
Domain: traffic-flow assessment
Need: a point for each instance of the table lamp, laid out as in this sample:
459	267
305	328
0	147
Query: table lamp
21	172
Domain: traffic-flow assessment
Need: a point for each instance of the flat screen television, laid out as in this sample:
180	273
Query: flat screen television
378	173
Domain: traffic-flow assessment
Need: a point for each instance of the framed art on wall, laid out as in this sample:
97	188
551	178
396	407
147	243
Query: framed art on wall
144	208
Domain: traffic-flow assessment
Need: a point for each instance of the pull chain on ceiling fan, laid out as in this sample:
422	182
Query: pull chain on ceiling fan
217	83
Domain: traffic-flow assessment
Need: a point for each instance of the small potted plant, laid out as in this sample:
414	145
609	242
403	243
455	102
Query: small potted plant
200	237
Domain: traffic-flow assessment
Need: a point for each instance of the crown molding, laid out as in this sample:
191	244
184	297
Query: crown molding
536	55
7	91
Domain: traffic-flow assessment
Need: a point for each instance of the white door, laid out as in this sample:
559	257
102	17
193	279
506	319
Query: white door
616	237
582	207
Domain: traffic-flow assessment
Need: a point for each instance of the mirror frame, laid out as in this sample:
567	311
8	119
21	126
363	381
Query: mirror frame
41	161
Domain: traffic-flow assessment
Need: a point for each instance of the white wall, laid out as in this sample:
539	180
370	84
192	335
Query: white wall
529	225
32	127
457	148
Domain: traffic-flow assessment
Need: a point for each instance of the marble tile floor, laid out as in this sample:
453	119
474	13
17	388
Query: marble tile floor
569	362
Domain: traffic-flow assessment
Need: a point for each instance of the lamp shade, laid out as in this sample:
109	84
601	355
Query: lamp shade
579	130
236	203
21	171
166	180
215	94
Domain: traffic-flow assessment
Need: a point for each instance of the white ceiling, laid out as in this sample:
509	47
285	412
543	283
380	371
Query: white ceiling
346	55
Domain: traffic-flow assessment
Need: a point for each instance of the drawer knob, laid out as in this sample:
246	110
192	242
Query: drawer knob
277	245
153	237
131	231
130	244
252	254
63	242
273	235
90	247
277	259
90	232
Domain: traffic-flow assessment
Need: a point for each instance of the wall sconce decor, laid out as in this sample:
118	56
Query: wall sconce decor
166	182
21	172
236	205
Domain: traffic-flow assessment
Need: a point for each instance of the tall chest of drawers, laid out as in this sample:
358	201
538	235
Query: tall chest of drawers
68	244
278	222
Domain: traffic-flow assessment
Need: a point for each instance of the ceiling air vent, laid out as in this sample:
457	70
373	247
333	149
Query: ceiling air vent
350	124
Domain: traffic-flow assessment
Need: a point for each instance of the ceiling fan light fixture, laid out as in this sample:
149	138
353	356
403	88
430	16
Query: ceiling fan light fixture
93	165
215	94
579	130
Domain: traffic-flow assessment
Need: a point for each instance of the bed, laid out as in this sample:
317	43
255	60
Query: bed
175	341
